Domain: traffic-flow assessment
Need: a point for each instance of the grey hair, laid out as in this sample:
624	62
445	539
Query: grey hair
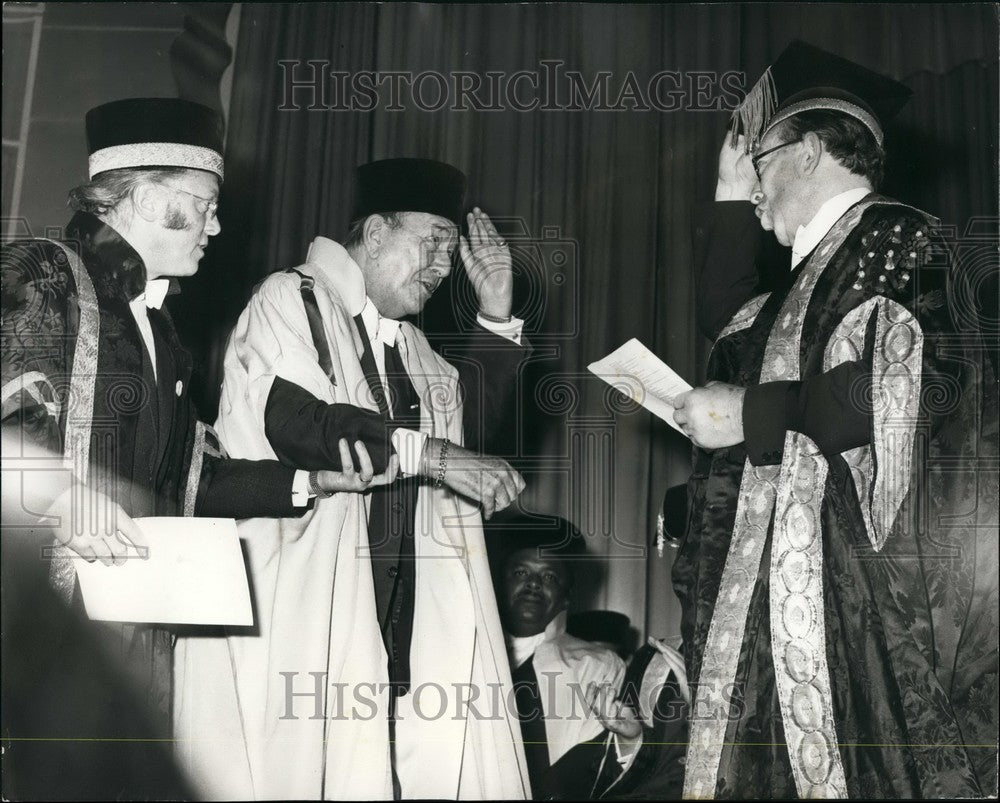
106	191
356	231
847	139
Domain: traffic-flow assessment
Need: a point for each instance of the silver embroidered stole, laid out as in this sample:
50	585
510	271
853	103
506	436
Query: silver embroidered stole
793	492
79	412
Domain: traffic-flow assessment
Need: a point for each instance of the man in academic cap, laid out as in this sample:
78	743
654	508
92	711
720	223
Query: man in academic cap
384	596
93	372
838	579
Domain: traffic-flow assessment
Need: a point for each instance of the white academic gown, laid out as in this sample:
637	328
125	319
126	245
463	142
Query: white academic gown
246	713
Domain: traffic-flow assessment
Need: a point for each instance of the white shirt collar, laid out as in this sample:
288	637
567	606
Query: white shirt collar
521	648
343	274
807	237
380	329
152	297
339	272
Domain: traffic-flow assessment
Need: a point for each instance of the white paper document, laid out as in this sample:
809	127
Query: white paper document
642	376
194	574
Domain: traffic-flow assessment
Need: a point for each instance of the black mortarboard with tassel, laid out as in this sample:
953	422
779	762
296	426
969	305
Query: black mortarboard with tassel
805	78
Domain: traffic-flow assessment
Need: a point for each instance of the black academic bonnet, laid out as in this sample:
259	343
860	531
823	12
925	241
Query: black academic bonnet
154	132
409	185
550	537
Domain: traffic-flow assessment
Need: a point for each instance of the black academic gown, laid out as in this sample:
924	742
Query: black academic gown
910	629
144	431
591	770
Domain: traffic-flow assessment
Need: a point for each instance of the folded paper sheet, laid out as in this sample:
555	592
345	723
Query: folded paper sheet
642	376
194	574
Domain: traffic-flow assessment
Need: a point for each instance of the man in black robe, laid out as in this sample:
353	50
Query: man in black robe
838	578
93	373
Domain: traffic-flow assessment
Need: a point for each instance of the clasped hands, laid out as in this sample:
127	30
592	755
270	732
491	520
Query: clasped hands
485	479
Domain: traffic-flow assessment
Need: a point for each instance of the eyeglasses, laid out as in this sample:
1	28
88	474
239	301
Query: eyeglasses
755	160
205	206
434	238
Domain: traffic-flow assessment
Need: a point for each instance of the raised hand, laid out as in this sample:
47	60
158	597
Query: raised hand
487	262
737	178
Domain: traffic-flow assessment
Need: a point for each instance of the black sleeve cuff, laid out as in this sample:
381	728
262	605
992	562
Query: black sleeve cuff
834	408
304	431
488	369
766	419
244	489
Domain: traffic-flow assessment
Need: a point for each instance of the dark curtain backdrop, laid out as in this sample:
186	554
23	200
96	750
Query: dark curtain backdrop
598	204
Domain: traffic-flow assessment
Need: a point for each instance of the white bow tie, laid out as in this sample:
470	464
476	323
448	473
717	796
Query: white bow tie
156	291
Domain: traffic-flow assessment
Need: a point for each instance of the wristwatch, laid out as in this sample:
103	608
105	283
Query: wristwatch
314	487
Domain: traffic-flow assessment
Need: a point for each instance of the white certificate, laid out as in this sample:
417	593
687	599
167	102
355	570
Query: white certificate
642	376
194	574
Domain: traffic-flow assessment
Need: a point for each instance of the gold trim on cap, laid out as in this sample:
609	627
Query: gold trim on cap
834	104
155	154
754	113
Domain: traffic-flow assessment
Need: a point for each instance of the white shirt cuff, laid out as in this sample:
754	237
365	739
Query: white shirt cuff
626	761
409	445
300	489
510	330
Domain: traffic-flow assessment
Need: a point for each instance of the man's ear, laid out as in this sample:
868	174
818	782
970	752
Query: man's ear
812	151
149	201
372	232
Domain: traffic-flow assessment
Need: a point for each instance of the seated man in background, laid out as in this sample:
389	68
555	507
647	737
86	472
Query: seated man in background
552	671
